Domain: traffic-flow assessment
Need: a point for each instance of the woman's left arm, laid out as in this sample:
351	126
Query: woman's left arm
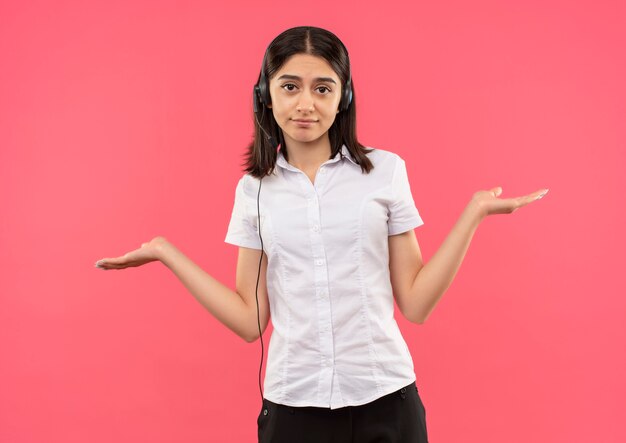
434	278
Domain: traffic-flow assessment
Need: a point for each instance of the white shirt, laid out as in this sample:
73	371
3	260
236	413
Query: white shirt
335	341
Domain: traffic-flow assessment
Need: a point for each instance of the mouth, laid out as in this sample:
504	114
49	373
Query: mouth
304	123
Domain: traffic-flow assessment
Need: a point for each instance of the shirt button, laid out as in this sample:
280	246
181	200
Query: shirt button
319	262
316	228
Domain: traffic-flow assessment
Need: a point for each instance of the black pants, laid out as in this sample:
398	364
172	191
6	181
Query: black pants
399	417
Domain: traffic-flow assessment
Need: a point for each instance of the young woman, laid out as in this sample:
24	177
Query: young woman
325	247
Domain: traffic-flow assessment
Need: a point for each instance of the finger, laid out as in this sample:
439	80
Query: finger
534	196
516	203
522	201
106	264
496	191
118	262
540	194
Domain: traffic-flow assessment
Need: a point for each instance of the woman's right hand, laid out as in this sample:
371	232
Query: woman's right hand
147	253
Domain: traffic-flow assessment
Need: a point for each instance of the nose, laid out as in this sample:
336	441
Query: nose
305	101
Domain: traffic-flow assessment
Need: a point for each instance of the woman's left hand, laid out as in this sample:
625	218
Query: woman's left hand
488	203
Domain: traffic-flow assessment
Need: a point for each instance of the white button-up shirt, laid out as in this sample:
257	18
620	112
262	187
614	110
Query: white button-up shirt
335	341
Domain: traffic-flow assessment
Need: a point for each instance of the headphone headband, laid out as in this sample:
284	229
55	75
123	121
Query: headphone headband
261	90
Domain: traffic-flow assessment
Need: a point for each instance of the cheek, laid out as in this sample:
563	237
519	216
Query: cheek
281	117
279	114
330	116
279	105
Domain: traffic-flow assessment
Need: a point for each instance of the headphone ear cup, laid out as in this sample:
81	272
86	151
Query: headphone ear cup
255	98
346	98
264	95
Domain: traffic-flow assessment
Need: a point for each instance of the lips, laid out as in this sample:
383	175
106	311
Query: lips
301	123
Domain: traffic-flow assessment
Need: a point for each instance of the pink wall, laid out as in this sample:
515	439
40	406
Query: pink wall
120	121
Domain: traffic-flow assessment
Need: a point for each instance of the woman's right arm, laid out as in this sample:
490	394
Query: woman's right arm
235	309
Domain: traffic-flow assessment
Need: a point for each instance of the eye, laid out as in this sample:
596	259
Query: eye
286	85
324	87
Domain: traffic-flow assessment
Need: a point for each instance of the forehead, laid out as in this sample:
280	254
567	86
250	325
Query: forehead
306	65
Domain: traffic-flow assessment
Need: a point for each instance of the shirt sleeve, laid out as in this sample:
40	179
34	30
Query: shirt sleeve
240	231
403	215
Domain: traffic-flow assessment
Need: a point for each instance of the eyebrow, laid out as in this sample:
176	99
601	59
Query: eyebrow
318	79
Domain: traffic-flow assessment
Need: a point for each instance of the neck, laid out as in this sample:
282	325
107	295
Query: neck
308	155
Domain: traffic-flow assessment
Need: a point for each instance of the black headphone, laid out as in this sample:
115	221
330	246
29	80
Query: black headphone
261	92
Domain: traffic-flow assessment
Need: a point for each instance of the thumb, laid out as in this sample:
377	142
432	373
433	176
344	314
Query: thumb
496	191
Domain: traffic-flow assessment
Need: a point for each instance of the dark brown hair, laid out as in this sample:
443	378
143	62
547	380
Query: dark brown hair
261	155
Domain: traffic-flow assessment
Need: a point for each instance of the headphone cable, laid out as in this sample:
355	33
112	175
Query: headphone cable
257	289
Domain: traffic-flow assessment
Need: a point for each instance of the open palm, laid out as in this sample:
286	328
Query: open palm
148	252
489	203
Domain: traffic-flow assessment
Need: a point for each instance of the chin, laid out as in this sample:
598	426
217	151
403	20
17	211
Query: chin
305	139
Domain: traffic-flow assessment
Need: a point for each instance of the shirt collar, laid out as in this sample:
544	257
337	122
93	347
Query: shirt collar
280	160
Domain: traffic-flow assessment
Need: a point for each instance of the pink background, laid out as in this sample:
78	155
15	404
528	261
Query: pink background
120	121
